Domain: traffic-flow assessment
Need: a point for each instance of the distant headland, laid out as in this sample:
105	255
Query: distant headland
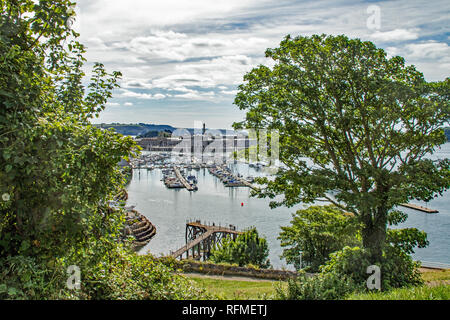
153	130
147	130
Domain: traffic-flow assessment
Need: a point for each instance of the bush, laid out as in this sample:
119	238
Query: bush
324	286
248	248
397	268
125	276
24	277
345	273
317	232
135	277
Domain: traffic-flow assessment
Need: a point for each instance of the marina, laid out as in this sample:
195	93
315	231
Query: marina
168	209
177	171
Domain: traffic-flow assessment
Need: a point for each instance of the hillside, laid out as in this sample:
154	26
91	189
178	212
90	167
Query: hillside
135	129
141	129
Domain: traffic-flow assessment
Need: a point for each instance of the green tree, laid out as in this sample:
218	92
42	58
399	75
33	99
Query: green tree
56	168
57	171
317	232
248	248
364	120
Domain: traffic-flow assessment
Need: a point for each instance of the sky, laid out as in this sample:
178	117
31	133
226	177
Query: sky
182	61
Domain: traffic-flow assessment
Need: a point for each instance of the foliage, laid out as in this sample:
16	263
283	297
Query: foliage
127	171
121	275
23	277
316	232
325	286
346	273
248	248
364	120
344	270
55	167
58	172
397	268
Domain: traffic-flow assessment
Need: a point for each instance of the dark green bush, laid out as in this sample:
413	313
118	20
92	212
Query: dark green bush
248	248
317	232
324	286
346	273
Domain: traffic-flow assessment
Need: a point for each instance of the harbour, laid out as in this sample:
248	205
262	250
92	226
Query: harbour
168	210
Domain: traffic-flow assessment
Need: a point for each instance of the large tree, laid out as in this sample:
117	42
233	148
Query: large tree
57	171
365	121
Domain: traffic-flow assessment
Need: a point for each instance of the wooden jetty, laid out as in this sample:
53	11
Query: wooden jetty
419	208
182	179
246	183
201	238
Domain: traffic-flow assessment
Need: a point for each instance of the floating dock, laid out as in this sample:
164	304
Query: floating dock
419	208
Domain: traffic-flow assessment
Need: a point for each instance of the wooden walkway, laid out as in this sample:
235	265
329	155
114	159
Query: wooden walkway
203	238
248	184
182	179
419	208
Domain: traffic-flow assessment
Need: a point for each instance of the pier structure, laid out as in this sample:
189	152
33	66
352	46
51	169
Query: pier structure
246	183
202	238
182	179
419	208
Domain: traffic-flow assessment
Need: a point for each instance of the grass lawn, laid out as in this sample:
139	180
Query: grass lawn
440	292
437	287
430	275
238	289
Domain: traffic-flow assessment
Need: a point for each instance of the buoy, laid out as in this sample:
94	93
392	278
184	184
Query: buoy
242	204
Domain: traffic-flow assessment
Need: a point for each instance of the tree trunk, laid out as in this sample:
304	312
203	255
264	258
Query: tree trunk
374	234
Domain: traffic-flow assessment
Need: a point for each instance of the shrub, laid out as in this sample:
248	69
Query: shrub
248	248
317	232
324	286
346	272
23	277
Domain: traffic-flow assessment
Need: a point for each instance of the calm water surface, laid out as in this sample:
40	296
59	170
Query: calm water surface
169	209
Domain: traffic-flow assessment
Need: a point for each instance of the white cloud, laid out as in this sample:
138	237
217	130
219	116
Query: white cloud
395	35
144	14
170	45
136	83
229	92
159	96
433	57
137	95
196	95
429	50
200	50
128	104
